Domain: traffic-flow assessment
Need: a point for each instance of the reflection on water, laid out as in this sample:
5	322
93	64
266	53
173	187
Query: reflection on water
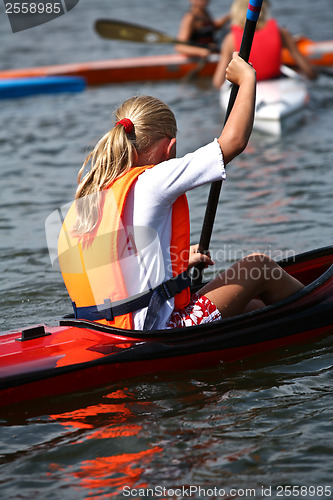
107	472
229	427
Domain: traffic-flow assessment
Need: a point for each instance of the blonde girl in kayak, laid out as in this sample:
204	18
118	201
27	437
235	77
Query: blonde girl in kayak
266	51
124	248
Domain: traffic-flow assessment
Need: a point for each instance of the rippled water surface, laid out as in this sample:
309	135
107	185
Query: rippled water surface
253	425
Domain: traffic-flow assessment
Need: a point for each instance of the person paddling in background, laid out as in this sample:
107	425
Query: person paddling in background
198	26
124	247
267	45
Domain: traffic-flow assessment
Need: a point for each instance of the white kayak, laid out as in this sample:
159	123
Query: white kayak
280	104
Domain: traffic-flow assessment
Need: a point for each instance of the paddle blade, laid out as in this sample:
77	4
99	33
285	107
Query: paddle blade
119	30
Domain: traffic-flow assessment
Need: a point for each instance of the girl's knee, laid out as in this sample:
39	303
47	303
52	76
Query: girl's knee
262	267
258	258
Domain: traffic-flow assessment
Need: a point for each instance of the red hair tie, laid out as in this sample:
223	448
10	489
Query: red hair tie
127	124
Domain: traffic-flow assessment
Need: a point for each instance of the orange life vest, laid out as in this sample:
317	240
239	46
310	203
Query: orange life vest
90	264
266	49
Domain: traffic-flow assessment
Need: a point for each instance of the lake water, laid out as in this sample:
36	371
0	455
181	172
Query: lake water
247	430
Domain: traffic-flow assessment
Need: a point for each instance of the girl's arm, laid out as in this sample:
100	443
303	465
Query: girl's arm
219	23
238	128
303	64
184	35
227	49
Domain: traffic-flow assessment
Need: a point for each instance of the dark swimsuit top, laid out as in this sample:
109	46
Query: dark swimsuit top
204	34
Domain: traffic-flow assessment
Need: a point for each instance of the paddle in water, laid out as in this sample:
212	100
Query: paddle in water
252	16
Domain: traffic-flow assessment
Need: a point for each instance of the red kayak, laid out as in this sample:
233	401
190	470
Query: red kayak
158	68
43	361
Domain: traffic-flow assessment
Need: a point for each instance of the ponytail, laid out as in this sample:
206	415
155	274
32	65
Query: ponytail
117	152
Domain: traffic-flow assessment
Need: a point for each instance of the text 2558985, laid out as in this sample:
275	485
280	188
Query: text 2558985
33	8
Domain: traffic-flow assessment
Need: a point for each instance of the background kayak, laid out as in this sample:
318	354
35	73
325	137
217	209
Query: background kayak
280	104
132	69
22	87
155	67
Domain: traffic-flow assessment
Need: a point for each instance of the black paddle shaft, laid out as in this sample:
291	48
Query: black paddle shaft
215	189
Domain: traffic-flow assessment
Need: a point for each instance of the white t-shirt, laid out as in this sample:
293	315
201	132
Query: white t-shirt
148	213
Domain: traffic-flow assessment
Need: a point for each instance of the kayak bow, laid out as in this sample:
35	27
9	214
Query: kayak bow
23	87
44	361
280	104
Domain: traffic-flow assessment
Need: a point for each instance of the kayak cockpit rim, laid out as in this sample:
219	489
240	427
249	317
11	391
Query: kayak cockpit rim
196	330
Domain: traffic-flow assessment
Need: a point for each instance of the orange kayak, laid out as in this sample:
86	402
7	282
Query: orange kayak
136	69
158	67
319	53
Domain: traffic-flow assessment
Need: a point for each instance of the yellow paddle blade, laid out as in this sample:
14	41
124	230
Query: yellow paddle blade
119	30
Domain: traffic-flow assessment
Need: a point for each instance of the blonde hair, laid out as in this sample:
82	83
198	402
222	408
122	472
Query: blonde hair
238	13
116	152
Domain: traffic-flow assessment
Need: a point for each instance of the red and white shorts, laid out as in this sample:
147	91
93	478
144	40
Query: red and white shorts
198	311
